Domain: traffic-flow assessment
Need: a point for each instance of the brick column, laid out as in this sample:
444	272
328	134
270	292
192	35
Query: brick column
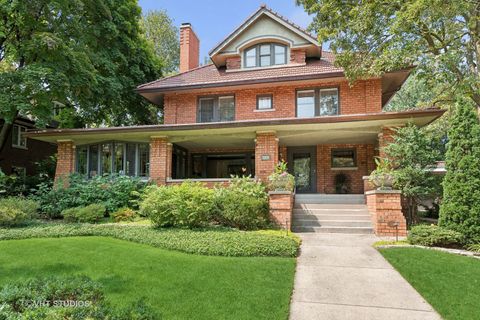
384	138
385	207
65	162
282	153
160	160
266	154
280	205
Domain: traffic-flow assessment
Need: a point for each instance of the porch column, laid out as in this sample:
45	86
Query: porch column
384	139
160	159
266	154
65	162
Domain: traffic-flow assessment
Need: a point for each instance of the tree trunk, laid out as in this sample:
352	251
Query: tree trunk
4	134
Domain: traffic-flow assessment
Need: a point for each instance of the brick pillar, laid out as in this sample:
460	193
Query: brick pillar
160	160
65	162
384	138
266	154
385	207
281	208
282	153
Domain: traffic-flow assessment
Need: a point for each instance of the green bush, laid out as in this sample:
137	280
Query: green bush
474	247
74	297
243	204
212	241
17	210
186	205
91	213
113	191
434	236
124	214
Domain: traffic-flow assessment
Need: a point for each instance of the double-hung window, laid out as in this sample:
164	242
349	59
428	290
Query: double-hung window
19	141
317	102
216	109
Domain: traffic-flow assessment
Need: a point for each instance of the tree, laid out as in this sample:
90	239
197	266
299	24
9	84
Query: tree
460	209
86	54
442	37
160	30
412	156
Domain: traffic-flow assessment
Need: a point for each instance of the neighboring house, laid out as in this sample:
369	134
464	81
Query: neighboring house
271	93
20	153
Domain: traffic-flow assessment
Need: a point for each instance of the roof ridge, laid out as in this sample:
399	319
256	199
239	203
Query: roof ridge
288	21
175	75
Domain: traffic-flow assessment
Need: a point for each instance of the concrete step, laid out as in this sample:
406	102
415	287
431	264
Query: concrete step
330	206
332	223
327	216
349	230
330	198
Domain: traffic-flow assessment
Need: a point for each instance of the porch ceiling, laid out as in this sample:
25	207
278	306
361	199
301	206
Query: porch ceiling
291	132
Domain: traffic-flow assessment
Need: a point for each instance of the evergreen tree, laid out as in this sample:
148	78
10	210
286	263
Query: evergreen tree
460	209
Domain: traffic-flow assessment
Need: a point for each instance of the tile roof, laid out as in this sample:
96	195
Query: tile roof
210	76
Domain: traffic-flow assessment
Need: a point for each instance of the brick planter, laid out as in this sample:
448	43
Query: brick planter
281	208
385	207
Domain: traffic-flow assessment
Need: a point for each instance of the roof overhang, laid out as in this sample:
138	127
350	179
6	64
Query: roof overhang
362	128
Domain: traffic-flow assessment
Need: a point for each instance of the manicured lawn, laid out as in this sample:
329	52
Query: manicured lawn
450	283
175	284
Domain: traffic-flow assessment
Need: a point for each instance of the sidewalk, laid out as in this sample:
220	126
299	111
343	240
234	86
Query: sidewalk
341	276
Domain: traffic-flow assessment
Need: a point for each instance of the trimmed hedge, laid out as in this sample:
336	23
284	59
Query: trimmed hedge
91	213
213	241
434	236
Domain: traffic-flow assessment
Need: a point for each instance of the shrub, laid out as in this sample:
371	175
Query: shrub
16	210
474	247
186	205
431	235
91	213
113	191
54	297
212	241
243	204
124	214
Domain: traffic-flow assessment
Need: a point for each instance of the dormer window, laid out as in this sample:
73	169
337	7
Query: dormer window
265	55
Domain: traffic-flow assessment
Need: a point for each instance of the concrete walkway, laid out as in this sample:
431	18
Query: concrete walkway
340	276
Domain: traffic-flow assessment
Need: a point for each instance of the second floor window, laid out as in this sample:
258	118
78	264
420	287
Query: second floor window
18	141
264	55
216	109
317	102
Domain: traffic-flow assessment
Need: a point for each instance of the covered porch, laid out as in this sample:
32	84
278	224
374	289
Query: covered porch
326	154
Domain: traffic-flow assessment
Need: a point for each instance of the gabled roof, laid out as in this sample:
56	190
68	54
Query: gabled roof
211	76
264	10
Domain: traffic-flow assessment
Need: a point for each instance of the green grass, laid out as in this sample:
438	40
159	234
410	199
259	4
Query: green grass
212	241
175	284
449	282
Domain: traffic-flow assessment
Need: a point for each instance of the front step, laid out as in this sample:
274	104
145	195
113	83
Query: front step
316	198
299	216
349	230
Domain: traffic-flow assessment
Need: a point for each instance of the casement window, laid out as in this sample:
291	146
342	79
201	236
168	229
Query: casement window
265	55
18	141
317	102
344	158
265	102
123	158
216	109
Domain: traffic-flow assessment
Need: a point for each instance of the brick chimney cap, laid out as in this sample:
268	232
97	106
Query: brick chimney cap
185	24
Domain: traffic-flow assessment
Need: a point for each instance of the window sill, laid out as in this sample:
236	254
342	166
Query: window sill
264	110
344	168
19	147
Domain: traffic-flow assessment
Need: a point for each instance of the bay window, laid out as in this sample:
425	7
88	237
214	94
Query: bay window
130	159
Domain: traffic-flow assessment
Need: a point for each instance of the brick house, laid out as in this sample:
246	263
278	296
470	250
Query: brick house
271	93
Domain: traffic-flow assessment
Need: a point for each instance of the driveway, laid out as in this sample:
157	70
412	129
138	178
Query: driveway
341	276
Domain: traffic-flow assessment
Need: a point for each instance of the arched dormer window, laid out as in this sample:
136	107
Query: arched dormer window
265	55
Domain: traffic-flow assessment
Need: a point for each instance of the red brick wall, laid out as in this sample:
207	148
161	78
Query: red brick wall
189	49
363	97
326	176
65	162
298	56
385	138
160	160
266	144
234	63
281	208
385	207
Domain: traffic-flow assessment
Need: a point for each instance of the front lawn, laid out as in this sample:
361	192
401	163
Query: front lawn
177	285
450	283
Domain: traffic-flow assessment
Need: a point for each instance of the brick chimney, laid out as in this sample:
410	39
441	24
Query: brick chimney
189	48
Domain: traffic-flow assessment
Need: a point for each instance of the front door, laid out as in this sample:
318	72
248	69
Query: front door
302	164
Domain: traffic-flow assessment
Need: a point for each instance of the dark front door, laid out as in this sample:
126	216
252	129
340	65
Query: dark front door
302	164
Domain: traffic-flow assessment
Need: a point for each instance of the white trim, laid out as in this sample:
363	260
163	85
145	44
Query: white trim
19	137
264	110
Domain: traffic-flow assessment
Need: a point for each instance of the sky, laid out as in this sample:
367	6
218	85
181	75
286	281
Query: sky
213	20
